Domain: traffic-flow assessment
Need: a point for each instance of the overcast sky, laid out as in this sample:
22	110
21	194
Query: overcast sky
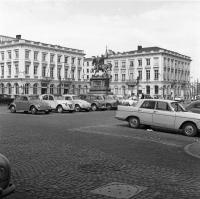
121	25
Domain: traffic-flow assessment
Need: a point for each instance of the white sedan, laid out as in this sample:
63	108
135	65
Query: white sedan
161	113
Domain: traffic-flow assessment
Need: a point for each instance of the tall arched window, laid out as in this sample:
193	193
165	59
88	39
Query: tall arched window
2	88
79	89
123	90
27	88
16	88
59	89
148	90
9	88
35	88
116	91
51	89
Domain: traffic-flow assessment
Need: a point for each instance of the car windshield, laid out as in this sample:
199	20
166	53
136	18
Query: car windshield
178	107
36	97
75	97
109	97
59	97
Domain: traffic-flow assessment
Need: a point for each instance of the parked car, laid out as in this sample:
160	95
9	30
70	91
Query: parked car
193	106
6	187
57	103
162	113
110	101
119	98
29	103
97	103
179	99
6	99
79	104
130	101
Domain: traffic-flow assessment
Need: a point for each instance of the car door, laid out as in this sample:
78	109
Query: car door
22	104
145	112
163	115
53	103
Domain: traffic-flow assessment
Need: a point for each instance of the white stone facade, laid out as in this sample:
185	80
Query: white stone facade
161	72
28	67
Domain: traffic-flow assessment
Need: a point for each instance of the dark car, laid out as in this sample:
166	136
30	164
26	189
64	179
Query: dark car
28	103
6	99
5	173
193	106
97	103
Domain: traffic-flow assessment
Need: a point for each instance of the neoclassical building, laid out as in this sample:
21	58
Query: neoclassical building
29	67
153	71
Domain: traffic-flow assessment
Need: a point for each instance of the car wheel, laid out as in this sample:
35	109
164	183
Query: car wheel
108	106
189	129
77	108
12	109
94	107
59	109
33	110
134	122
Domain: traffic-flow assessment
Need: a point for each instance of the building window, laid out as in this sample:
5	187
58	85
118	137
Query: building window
35	69
73	60
123	77
79	61
156	61
27	69
16	54
35	88
59	59
88	77
148	61
2	56
16	86
51	89
139	62
140	74
147	74
35	55
116	77
131	76
156	74
123	64
66	59
26	88
79	74
52	72
116	91
2	88
59	73
43	71
16	69
44	55
131	63
116	64
73	77
51	58
9	69
156	90
27	54
2	70
66	73
9	54
148	90
9	88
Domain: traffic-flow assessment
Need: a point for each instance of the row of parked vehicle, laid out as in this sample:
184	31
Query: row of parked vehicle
68	102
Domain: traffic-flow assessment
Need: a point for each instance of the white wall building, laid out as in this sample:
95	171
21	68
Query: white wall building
29	67
161	72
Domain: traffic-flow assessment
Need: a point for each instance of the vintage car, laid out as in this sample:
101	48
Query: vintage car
79	104
29	103
58	103
96	102
6	99
130	101
6	187
193	107
166	114
110	101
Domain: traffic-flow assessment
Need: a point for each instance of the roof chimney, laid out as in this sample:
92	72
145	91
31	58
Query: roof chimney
139	47
18	36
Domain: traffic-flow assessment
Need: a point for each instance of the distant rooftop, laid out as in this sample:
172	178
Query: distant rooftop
6	40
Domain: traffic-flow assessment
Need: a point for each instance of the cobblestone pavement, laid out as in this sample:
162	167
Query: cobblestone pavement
68	155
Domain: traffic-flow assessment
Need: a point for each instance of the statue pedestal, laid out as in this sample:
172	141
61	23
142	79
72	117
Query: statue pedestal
100	85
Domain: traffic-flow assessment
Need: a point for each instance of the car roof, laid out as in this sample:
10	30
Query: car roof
158	100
